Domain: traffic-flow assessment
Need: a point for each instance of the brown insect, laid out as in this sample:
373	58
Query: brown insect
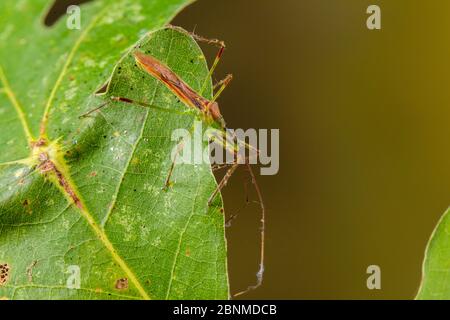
161	72
211	113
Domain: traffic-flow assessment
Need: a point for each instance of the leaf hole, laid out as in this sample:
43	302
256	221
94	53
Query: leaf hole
59	9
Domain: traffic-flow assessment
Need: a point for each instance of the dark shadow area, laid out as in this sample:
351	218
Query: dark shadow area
58	9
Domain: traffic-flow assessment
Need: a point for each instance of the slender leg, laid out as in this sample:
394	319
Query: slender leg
213	68
214	42
223	182
225	178
180	147
247	202
217	167
172	166
221	85
227	79
260	273
84	115
130	101
144	104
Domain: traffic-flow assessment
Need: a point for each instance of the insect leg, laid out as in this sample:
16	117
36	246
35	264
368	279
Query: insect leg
221	85
84	115
130	101
247	202
172	166
227	79
214	42
260	273
144	104
223	182
219	54
217	167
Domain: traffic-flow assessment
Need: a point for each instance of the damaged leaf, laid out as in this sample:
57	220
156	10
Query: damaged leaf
83	211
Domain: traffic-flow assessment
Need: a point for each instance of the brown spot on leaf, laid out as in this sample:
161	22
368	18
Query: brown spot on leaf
122	284
47	166
26	205
188	252
4	273
39	143
93	174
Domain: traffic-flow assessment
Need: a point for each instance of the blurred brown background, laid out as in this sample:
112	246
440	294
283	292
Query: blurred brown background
363	116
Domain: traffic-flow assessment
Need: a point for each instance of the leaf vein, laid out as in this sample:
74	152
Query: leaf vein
63	72
177	254
12	97
40	286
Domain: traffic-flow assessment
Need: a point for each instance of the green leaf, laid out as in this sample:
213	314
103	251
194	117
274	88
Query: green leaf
85	197
436	267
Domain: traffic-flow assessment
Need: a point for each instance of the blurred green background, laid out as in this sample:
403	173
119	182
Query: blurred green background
364	161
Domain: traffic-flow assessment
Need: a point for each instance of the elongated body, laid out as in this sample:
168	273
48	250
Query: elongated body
209	112
184	92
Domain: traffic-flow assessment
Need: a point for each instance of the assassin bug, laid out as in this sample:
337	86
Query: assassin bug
210	112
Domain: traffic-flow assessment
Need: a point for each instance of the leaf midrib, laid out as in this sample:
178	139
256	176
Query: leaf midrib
43	128
84	210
